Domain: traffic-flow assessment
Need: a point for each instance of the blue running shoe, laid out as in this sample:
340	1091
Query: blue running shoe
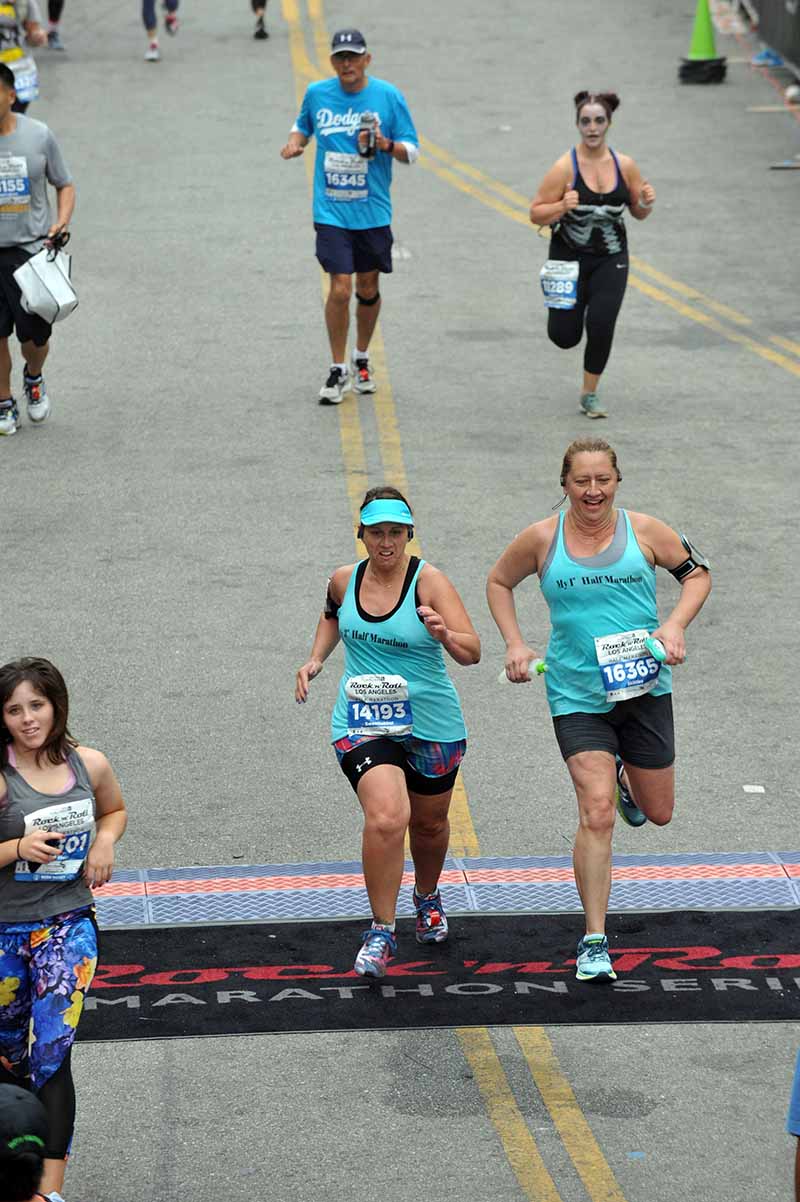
628	810
431	918
593	962
375	952
766	58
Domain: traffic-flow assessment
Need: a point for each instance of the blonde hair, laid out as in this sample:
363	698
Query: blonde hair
587	446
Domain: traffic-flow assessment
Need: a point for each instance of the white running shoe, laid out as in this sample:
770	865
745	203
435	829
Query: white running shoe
337	384
9	417
152	54
362	375
36	398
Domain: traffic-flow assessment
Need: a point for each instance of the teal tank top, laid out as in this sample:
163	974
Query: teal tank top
599	608
395	682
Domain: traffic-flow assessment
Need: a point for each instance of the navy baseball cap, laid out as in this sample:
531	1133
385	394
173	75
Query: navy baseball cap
348	41
23	1123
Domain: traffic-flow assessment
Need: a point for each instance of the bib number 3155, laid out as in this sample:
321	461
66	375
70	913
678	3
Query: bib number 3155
627	669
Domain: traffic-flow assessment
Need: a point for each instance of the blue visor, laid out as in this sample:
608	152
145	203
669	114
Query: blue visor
386	510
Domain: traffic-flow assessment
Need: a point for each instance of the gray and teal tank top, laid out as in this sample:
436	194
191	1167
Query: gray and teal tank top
596	224
395	682
29	891
601	609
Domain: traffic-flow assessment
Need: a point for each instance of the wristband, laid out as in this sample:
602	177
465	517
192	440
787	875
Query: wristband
390	147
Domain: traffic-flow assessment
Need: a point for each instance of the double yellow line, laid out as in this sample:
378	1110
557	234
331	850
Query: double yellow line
515	1135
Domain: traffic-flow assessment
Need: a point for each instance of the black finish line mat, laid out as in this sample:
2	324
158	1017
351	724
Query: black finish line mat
245	979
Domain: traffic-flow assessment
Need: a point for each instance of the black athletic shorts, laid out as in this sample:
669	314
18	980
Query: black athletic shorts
341	252
640	731
440	759
29	327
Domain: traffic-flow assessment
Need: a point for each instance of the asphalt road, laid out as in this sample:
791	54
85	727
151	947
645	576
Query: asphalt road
170	529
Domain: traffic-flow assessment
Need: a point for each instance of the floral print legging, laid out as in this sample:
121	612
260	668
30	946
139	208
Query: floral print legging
45	971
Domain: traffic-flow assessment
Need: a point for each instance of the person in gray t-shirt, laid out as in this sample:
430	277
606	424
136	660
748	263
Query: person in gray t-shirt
30	159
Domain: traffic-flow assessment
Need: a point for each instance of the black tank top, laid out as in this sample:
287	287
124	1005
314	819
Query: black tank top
597	224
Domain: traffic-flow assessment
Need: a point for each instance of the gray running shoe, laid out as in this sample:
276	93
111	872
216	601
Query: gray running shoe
54	40
337	384
36	397
9	417
362	376
591	406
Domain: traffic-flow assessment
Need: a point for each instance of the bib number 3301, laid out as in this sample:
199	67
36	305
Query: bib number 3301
378	705
627	669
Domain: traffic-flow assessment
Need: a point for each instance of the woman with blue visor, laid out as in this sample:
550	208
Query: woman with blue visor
397	728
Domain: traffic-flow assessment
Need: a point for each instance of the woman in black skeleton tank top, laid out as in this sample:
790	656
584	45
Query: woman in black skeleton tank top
583	198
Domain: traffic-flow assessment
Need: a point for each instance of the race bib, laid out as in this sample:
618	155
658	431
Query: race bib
559	280
26	79
627	668
378	705
76	820
346	176
15	185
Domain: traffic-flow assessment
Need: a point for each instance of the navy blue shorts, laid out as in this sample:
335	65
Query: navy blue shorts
341	252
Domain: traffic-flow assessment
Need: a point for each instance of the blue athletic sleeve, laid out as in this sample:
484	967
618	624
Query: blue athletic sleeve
305	122
402	126
793	1119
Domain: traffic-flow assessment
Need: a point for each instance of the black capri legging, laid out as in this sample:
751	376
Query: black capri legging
601	287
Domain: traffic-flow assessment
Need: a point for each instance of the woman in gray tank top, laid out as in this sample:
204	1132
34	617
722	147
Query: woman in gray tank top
61	813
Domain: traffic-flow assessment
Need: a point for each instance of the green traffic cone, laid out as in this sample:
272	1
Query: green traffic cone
702	47
702	65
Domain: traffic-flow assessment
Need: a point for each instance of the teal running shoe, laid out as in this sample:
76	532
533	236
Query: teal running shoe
627	808
593	962
376	951
591	406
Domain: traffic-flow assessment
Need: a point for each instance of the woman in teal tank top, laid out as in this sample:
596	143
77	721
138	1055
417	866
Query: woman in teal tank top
610	698
397	726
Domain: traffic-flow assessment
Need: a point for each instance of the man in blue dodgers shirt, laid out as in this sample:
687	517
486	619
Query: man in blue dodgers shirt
352	206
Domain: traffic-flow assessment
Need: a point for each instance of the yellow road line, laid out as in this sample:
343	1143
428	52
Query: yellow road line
711	323
322	45
515	1135
576	1135
690	293
786	343
451	177
475	173
463	839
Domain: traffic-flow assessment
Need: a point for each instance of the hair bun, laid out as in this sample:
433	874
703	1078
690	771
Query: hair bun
580	97
611	99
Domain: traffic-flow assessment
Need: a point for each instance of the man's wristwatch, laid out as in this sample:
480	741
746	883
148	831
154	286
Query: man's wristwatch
390	147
